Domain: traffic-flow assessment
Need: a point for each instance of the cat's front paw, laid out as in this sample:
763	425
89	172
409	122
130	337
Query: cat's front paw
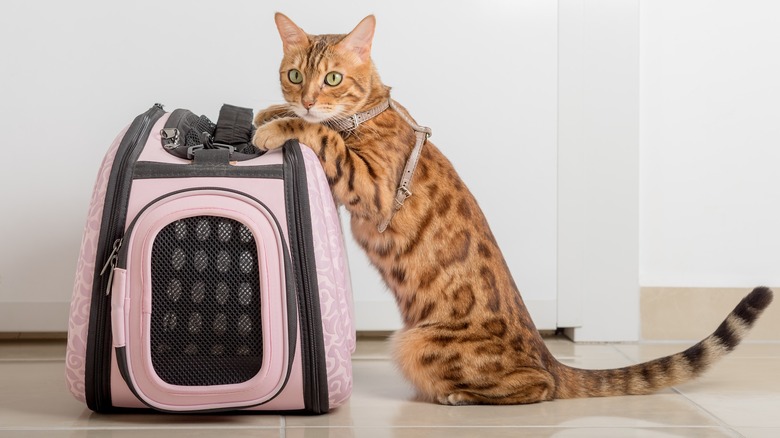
271	113
272	135
455	399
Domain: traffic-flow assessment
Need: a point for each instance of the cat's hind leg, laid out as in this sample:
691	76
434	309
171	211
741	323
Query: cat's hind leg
524	386
451	368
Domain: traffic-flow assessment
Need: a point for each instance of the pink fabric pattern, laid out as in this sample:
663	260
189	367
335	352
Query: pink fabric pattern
75	357
334	282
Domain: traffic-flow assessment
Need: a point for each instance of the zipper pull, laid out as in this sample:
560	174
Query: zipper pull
111	263
170	138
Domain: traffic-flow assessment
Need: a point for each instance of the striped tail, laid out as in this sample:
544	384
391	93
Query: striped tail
648	377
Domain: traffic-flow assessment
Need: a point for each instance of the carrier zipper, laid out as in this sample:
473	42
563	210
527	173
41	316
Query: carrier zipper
170	138
111	263
100	363
309	308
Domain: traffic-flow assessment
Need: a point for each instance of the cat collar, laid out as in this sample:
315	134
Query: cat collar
349	124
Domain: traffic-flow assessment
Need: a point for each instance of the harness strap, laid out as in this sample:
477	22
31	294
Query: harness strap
422	133
404	187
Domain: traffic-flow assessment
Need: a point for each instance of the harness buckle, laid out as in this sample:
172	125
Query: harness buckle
401	195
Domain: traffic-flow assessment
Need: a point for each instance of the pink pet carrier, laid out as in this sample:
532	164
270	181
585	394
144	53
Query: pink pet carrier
211	277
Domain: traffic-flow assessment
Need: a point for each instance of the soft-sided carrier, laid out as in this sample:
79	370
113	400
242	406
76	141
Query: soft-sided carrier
211	277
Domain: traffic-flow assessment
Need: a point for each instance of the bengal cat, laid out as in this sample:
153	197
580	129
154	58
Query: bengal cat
467	336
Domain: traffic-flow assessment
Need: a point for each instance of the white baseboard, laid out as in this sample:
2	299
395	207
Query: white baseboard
34	317
691	313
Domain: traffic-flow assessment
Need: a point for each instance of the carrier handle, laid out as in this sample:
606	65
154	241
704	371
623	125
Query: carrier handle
219	155
234	126
233	131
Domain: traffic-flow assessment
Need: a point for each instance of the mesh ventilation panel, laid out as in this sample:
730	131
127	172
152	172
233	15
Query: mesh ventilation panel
206	327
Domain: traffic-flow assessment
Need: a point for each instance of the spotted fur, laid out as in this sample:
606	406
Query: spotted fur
467	336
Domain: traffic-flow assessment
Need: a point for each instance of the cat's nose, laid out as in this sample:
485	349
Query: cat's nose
308	103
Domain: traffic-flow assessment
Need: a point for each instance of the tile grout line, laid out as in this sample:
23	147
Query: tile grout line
620	352
372	359
234	428
722	424
139	428
283	430
535	426
717	419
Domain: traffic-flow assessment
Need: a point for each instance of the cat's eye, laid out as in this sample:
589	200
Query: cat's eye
333	78
295	76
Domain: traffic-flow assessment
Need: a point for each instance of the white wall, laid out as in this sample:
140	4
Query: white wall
710	143
483	76
598	178
74	73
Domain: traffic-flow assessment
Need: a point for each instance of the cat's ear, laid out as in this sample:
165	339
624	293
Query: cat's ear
359	40
292	35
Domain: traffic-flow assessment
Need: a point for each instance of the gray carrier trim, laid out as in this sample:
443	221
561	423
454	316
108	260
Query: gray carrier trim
150	170
315	378
97	381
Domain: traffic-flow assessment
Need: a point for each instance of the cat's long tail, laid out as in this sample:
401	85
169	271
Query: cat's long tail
667	371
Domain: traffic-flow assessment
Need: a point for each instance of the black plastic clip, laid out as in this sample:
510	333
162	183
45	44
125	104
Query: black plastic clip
207	140
192	149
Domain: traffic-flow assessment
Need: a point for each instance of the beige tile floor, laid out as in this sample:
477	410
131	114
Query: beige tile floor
739	397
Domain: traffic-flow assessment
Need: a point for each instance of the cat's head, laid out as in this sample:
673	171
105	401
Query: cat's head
327	76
